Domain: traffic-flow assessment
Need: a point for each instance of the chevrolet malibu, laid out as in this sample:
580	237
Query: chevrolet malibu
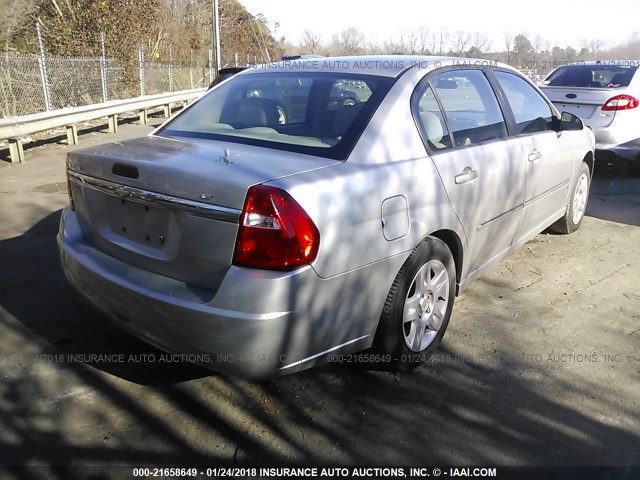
260	247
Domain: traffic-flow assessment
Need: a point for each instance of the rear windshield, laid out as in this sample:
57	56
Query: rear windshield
314	113
591	76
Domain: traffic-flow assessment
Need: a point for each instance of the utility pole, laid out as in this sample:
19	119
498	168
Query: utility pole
44	76
215	24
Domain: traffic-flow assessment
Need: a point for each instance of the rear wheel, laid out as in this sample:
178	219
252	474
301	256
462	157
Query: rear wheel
418	306
633	168
577	205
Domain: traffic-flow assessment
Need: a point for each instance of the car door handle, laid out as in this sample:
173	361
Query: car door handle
534	156
467	175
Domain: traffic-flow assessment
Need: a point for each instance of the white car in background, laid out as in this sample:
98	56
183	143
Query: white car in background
604	94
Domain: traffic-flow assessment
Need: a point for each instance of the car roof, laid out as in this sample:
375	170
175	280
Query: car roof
380	65
621	63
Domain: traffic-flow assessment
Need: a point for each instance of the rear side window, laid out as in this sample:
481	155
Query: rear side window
470	107
315	113
431	122
591	76
531	112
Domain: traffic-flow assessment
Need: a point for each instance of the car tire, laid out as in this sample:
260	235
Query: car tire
418	307
577	204
633	168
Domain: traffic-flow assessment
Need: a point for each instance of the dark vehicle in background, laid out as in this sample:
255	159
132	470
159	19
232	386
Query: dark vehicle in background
604	94
288	58
225	73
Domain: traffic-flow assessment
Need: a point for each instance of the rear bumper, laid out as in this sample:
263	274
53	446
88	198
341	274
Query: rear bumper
628	151
246	327
620	138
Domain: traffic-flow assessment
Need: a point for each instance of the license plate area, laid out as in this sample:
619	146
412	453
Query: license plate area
138	223
582	111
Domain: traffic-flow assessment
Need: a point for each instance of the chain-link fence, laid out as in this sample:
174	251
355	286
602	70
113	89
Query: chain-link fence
35	83
20	85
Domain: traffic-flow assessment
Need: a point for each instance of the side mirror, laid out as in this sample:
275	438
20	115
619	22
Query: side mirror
568	121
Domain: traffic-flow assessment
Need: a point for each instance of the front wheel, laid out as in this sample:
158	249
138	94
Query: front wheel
418	306
577	205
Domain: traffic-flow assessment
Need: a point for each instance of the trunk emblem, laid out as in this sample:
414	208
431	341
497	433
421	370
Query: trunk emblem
122	191
571	95
226	158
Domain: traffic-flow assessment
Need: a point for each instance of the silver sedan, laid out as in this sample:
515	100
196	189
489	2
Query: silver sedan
269	227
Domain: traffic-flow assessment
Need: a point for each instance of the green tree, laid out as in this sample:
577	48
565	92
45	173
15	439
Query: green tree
522	46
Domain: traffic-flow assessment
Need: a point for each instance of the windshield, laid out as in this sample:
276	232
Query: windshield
315	113
591	76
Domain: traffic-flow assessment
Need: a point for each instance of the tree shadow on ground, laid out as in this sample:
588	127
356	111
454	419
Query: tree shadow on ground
452	410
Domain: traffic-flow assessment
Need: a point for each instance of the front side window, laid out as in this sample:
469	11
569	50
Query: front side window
315	113
531	112
470	106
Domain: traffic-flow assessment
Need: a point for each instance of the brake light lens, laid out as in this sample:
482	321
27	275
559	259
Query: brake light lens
275	232
620	102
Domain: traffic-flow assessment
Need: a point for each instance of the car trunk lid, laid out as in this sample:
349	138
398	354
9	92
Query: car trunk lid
172	206
585	103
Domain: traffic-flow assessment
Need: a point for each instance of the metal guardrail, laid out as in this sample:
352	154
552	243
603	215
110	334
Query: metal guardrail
14	129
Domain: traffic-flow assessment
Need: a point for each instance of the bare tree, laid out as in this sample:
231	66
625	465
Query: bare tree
630	49
15	17
438	42
593	45
460	42
508	43
540	44
373	48
416	41
350	41
392	47
311	41
413	42
480	42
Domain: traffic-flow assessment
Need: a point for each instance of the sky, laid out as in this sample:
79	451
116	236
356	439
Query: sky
560	22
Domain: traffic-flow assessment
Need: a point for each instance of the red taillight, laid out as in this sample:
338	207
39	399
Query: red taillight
620	102
275	232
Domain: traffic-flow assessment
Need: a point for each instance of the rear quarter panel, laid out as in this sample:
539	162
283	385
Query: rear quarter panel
356	263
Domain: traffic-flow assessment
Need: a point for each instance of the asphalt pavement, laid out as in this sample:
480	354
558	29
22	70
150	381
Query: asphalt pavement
540	365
